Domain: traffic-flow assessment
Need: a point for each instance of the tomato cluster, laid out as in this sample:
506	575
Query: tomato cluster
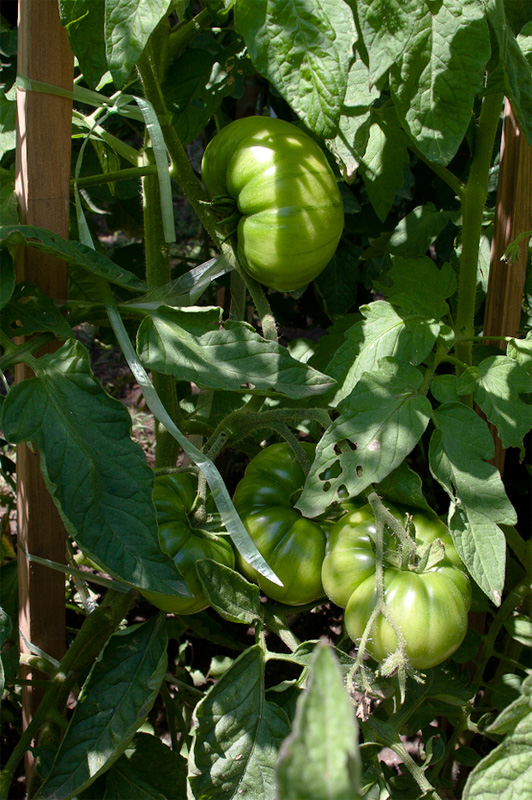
428	603
424	585
290	207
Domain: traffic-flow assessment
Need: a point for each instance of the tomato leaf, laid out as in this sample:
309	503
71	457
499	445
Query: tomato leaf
413	236
237	735
128	26
507	770
97	475
30	310
198	81
8	121
114	702
304	51
408	274
147	770
386	28
520	351
338	283
231	595
7	282
8	198
382	164
383	332
517	77
84	23
437	78
403	486
501	386
520	628
193	347
349	143
321	758
458	456
72	252
384	417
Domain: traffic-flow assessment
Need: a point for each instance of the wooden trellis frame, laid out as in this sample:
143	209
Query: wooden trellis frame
44	129
513	217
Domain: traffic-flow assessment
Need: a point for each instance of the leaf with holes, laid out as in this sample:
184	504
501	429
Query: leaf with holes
384	417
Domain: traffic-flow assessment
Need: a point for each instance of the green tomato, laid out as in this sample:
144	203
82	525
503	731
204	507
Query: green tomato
292	545
350	555
174	496
286	193
429	605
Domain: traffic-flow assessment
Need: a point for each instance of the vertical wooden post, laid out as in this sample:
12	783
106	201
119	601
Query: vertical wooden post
513	216
44	126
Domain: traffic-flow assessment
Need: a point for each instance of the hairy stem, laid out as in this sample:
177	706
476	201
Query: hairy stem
514	599
189	182
87	645
158	274
473	203
442	172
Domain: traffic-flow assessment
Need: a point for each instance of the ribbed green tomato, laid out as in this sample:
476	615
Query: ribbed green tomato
350	554
292	212
429	605
292	545
173	496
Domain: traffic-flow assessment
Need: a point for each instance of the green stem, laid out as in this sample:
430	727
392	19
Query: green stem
267	320
158	273
85	648
170	42
460	727
123	149
442	172
278	626
181	168
514	599
187	179
239	423
473	204
429	792
184	35
130	173
170	715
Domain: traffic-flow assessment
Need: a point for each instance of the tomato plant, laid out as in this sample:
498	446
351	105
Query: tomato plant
174	495
354	173
428	601
292	545
291	209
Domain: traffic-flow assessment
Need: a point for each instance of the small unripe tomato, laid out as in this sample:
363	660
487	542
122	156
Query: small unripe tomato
292	545
174	496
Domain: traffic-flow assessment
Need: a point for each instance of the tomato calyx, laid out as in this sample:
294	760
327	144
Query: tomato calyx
416	557
430	556
223	204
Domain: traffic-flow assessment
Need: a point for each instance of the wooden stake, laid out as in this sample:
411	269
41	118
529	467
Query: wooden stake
44	126
513	216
